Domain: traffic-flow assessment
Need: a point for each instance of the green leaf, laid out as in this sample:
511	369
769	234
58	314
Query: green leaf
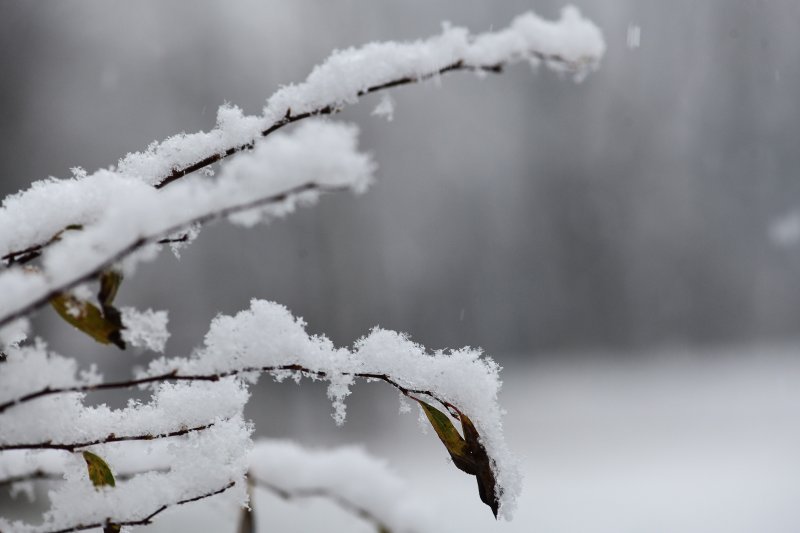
89	319
99	472
101	476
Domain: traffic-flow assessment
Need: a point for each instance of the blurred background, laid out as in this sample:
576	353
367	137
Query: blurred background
624	247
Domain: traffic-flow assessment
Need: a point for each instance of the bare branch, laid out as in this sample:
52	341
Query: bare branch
174	376
72	446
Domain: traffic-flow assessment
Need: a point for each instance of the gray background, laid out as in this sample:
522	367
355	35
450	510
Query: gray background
619	222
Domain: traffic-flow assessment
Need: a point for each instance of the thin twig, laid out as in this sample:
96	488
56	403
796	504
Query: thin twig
175	376
72	446
43	475
319	493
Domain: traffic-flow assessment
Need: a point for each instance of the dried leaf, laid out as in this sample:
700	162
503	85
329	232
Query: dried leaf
487	485
110	281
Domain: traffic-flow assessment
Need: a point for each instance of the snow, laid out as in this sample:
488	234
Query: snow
348	474
572	39
14	333
146	329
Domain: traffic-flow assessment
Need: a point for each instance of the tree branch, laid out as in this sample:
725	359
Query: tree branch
71	447
146	520
332	108
148	239
43	475
174	376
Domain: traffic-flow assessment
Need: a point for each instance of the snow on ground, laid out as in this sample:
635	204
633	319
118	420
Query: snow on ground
679	442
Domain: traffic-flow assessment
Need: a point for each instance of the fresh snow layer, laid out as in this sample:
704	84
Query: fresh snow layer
268	336
118	212
348	475
31	368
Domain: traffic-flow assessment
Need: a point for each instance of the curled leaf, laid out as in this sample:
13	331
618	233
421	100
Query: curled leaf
448	434
487	485
103	324
89	319
109	285
467	452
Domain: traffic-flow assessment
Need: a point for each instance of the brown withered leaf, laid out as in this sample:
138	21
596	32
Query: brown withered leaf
467	452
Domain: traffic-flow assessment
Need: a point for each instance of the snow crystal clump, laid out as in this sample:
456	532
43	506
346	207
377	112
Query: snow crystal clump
12	335
385	108
145	329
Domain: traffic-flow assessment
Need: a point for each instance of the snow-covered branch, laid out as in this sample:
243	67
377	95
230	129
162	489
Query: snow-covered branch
65	423
347	476
203	464
571	44
267	338
108	439
140	521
